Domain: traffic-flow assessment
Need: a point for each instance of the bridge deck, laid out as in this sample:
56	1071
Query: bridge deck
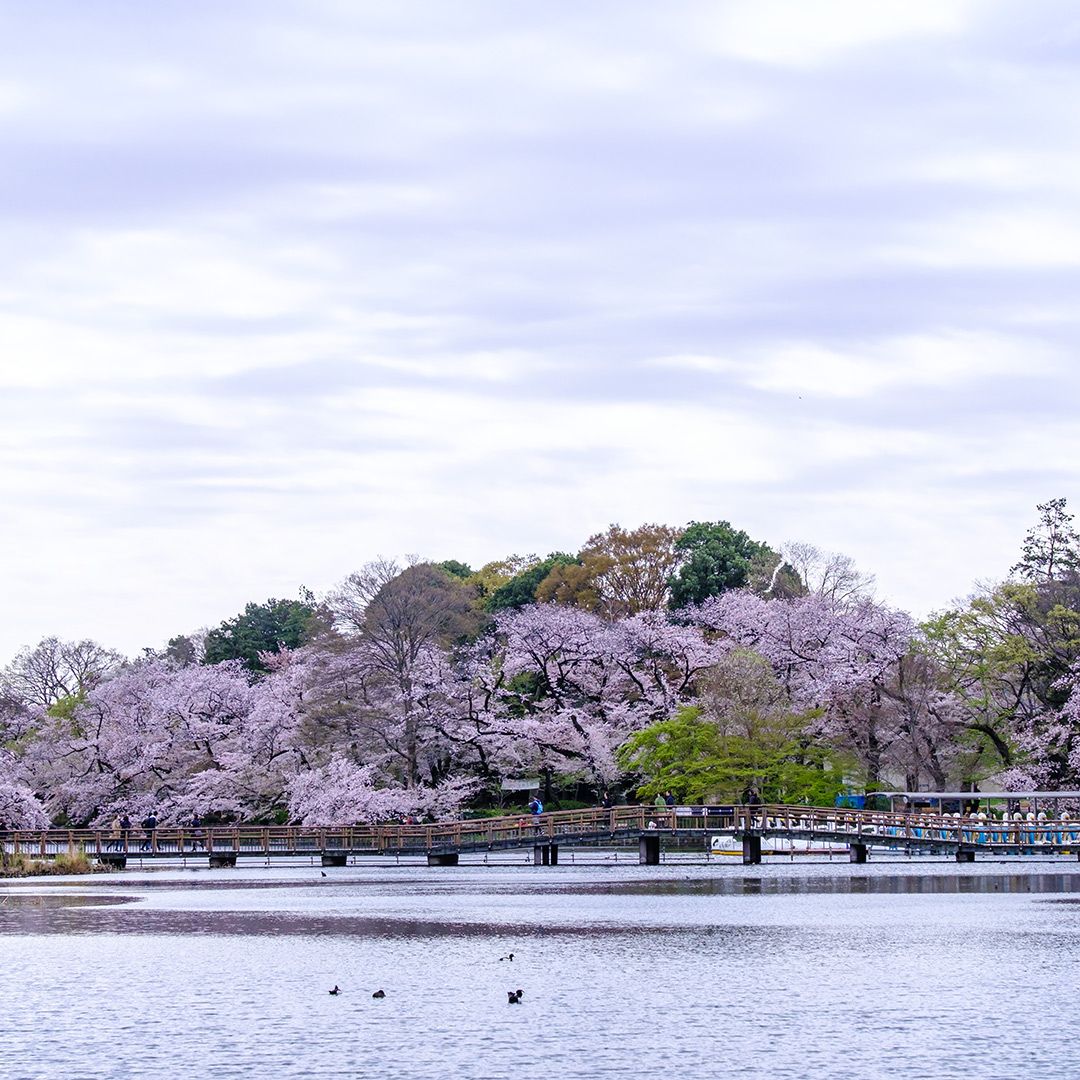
913	832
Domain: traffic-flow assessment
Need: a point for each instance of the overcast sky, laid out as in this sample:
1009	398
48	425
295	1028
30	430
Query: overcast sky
288	286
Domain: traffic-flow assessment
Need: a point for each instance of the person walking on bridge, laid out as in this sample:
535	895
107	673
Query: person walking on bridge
536	808
149	824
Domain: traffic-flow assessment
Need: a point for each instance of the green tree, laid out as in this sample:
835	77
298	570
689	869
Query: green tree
1007	652
521	589
268	627
1004	656
690	756
718	557
182	650
456	569
66	707
742	734
1051	548
493	575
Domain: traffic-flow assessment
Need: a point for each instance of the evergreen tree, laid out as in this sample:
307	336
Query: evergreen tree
718	558
262	628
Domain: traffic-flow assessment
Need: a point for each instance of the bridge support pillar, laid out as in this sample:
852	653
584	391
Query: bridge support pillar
751	850
446	858
649	851
554	854
857	853
222	861
964	856
334	860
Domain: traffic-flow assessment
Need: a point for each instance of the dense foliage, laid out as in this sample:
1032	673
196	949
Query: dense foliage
262	628
696	661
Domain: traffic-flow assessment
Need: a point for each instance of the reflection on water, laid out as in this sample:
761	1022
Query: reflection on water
50	901
856	882
811	971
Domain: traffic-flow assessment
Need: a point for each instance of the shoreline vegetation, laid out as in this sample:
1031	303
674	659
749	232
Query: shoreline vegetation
686	662
19	865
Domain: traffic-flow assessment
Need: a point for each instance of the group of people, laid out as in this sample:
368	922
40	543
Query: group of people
120	830
750	797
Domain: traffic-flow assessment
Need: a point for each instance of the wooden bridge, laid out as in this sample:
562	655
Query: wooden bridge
912	833
857	831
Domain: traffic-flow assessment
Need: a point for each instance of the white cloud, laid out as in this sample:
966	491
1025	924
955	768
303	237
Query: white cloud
927	361
286	289
1023	237
168	273
693	362
796	32
14	98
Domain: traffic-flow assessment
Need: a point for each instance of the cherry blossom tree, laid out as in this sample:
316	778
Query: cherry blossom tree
560	689
343	791
830	656
416	699
19	808
395	623
136	741
819	648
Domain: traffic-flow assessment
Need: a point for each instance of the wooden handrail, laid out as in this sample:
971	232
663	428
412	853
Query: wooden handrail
548	828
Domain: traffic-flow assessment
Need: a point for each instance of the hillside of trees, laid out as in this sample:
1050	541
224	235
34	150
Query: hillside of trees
693	659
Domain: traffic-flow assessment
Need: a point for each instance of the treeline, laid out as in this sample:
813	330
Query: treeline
695	660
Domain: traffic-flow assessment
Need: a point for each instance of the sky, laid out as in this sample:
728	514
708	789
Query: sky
286	287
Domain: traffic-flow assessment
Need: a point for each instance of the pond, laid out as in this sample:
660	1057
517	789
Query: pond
897	968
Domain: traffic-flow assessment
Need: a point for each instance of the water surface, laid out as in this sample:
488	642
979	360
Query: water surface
903	968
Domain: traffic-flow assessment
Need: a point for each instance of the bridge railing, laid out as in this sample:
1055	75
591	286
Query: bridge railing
268	839
857	826
870	826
